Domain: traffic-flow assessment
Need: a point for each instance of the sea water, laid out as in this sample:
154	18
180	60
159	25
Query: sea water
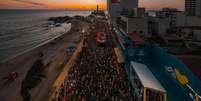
21	30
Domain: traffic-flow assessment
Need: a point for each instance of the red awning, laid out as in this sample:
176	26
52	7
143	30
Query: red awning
136	38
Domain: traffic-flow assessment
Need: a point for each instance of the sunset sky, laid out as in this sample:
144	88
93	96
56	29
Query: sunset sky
82	4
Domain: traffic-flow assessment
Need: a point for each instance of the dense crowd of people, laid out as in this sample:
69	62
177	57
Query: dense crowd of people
96	76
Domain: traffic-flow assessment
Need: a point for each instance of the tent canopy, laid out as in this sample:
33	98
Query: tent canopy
71	45
146	77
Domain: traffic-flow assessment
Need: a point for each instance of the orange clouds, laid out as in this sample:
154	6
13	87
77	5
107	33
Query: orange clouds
76	6
84	4
13	4
50	4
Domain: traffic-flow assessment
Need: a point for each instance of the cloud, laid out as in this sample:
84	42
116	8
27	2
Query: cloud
32	3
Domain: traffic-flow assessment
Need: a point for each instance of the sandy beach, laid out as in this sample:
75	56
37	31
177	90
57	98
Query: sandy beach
54	53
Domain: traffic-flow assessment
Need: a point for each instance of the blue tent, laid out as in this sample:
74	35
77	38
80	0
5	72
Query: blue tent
71	47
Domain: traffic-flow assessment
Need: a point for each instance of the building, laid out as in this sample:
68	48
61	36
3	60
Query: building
170	13
129	24
115	7
193	7
177	19
139	12
146	26
157	25
129	4
166	12
184	20
197	35
171	39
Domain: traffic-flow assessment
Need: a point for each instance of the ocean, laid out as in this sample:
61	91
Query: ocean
22	30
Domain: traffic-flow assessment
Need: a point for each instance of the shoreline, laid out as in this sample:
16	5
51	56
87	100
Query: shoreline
37	46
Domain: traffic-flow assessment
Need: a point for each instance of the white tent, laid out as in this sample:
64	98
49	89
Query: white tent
146	77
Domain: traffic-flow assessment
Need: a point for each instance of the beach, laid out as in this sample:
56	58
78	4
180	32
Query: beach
54	53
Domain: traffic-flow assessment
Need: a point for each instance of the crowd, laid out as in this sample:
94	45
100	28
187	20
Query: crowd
96	76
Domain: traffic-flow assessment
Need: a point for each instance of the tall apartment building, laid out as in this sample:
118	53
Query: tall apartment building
116	6
129	4
193	7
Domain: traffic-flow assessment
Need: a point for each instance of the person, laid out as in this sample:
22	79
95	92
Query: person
96	75
13	75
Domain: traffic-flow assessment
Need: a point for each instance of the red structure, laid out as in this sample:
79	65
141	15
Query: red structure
100	37
12	76
136	38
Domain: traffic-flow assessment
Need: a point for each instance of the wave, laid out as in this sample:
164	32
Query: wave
17	52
